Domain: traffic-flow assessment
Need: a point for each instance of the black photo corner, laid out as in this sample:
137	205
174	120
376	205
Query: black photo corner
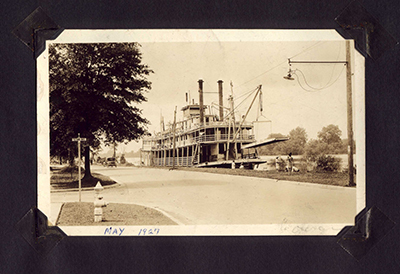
31	245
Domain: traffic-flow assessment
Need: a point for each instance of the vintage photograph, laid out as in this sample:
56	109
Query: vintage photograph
201	132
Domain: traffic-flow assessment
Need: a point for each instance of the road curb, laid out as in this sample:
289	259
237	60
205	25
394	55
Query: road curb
84	188
313	184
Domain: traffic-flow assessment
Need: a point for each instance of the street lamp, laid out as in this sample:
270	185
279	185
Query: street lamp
289	75
347	63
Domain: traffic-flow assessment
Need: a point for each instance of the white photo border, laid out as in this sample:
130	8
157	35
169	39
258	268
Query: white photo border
109	36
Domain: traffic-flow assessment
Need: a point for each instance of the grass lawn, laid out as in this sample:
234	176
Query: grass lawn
67	178
325	178
73	214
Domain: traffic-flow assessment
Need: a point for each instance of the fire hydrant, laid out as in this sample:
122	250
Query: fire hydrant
98	203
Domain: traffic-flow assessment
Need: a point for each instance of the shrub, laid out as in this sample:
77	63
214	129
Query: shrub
315	149
316	155
328	163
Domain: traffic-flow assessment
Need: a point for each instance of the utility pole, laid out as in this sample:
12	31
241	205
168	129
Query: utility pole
349	114
79	140
347	63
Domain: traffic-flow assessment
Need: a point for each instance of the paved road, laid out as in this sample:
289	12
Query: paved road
195	198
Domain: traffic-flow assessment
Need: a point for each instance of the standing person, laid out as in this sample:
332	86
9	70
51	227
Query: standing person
290	162
277	163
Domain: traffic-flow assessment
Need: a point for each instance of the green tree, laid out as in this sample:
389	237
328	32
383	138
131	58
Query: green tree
297	141
331	135
93	91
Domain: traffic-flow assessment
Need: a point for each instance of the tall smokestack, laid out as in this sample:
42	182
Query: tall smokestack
221	103
201	101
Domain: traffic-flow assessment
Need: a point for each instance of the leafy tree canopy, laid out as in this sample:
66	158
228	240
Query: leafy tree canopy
330	135
93	88
297	141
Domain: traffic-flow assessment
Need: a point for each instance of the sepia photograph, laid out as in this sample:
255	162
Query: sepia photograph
201	132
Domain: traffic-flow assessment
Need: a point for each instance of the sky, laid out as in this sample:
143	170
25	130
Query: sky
288	104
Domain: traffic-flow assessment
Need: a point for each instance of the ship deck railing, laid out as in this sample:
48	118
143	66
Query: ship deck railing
194	127
222	137
205	139
168	161
188	161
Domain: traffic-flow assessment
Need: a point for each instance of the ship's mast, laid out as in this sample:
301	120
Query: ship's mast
231	123
244	118
232	108
174	141
248	110
162	127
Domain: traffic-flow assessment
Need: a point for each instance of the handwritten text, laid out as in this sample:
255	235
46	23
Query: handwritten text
151	231
113	231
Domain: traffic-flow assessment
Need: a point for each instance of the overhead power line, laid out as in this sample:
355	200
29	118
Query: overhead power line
281	63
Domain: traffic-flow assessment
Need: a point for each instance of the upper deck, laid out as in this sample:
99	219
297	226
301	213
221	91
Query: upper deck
187	134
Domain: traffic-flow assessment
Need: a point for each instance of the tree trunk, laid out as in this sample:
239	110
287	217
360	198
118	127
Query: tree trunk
87	162
71	160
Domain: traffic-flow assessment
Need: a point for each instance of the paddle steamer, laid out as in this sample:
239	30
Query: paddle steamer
204	139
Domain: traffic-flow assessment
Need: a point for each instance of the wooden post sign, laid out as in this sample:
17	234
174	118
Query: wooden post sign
79	140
